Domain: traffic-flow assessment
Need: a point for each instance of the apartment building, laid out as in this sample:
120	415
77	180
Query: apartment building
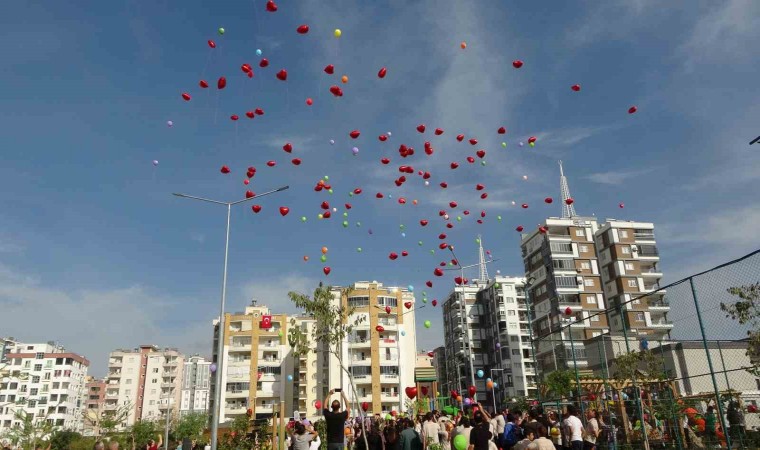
576	269
464	335
256	364
631	274
146	381
506	324
94	402
196	385
440	363
381	351
44	381
306	378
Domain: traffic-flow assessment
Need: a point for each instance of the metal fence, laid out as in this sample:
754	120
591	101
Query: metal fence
669	368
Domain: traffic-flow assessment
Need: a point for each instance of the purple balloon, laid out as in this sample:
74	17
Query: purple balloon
355	151
212	368
467	401
498	345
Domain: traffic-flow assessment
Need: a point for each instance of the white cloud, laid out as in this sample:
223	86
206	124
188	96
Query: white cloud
10	245
615	176
93	322
273	292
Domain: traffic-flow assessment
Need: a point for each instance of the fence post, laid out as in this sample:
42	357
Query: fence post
710	364
636	390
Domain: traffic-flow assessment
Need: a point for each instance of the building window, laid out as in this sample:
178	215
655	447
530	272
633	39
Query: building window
561	247
596	334
35	379
33	391
39	355
514	339
154	381
626	250
632	283
585	265
127	391
629	266
510	313
639	317
155	370
27	364
516	351
595	318
128	381
358	302
583	248
580	232
623	233
588	282
509	300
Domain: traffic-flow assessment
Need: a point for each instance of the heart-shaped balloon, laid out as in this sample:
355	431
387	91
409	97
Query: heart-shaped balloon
296	161
225	169
263	63
302	29
288	147
271	6
460	137
576	87
186	96
408	305
454	165
423	222
438	272
326	270
411	392
259	111
438	131
519	228
221	83
203	84
481	153
379	328
329	69
421	128
387	309
234	117
470	159
382	138
393	256
354	134
501	130
249	114
444	185
256	208
382	72
271	163
284	210
282	75
249	194
473	141
429	283
569	201
517	64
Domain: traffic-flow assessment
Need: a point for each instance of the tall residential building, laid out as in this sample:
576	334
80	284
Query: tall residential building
381	352
196	385
147	379
630	267
506	322
576	270
307	374
45	381
256	364
464	336
93	399
440	363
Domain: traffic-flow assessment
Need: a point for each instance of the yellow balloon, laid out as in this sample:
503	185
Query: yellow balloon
337	32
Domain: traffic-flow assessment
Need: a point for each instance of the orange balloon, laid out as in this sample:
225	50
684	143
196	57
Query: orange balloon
305	258
347	431
324	250
463	45
344	79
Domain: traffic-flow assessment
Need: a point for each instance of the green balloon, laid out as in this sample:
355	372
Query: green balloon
350	194
424	294
319	216
345	214
330	191
389	417
221	31
497	285
504	144
460	442
427	324
402	226
358	224
482	163
419	243
359	249
424	300
345	224
323	258
459	218
303	218
327	177
432	252
477	241
498	218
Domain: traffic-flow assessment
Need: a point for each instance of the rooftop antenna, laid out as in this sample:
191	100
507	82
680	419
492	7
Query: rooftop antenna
568	211
482	262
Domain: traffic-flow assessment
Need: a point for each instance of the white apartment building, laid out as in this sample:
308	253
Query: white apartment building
464	335
43	380
381	353
196	385
147	379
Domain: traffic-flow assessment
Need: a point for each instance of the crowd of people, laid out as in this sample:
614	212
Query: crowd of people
475	429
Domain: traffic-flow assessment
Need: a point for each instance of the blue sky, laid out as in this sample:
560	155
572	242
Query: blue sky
96	253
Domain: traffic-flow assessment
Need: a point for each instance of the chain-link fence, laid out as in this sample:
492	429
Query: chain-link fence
673	367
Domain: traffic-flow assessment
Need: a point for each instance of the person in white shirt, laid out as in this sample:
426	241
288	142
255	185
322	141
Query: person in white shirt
573	428
541	442
500	422
592	430
430	430
315	444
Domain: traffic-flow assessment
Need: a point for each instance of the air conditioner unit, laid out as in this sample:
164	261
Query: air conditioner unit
634	248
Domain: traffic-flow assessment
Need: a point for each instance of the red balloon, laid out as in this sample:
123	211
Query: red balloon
256	208
348	206
411	392
302	29
569	201
288	147
203	84
309	101
519	228
548	200
246	68
326	215
460	137
336	91
259	111
249	114
404	253
442	236
443	245
357	191
282	75
424	389
421	128
479	187
438	131
576	87
543	230
379	329
382	138
454	165
481	153
531	139
221	83
621	206
501	130
387	309
434	302
444	185
186	96
470	159
429	283
379	195
234	117
225	169
354	134
429	150
329	69
382	72
568	311
271	163
438	272
517	64
271	6
245	182
524	206
326	270
365	406
423	222
472	390
402	200
473	141
211	43
632	109
385	160
249	194
318	404
296	161
393	256
408	305
466	212
284	210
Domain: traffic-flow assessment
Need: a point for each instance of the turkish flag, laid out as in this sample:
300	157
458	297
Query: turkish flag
266	322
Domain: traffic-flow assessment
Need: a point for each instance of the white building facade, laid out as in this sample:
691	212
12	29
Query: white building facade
196	385
44	381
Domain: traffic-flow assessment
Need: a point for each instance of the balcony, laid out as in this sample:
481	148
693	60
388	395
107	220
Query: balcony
240	348
112	394
172	363
660	324
643	236
357	361
265	409
235	409
167	384
270	362
359	343
110	406
114	374
266	394
237	394
661	304
388	378
562	237
388	397
115	363
388	343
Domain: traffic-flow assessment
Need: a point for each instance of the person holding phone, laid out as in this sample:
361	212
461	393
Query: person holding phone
335	420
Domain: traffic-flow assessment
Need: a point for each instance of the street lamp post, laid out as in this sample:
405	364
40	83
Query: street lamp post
398	355
220	344
493	389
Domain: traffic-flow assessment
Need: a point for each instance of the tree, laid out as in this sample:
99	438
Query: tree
333	326
238	436
191	426
29	433
62	439
559	383
143	431
103	421
747	312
